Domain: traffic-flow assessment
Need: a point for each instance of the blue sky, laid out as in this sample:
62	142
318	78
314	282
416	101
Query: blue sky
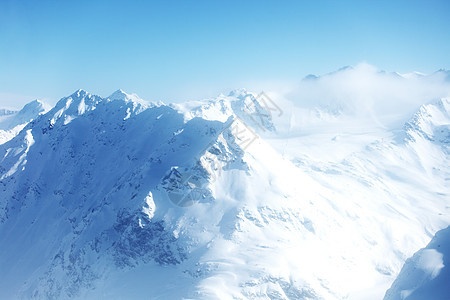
181	50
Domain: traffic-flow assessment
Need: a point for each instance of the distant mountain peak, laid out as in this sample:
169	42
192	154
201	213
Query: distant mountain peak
413	75
345	68
29	112
238	93
14	121
118	95
124	96
310	77
35	105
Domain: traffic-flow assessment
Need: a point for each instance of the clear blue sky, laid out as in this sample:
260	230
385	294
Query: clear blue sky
174	50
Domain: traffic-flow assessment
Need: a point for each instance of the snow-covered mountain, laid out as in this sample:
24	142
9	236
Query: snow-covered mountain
12	122
121	198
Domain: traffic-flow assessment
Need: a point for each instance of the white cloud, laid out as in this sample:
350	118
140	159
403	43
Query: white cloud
364	91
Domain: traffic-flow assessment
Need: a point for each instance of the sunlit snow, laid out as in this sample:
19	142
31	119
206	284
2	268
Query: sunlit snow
320	193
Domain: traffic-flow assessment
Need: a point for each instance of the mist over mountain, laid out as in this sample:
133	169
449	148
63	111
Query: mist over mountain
321	191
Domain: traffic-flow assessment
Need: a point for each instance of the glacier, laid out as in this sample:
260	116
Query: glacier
236	197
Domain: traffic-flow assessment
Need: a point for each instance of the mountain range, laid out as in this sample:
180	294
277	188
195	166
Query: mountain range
235	197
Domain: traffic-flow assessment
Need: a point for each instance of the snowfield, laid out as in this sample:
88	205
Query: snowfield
245	196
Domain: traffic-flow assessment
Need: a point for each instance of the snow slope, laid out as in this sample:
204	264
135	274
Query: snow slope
426	274
119	198
12	122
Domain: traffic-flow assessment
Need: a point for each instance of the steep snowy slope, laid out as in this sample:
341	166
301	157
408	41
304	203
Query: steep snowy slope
118	198
426	275
12	122
77	185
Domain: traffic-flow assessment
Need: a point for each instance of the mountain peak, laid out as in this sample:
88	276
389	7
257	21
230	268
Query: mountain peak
124	96
238	93
78	96
36	104
118	94
29	111
79	93
74	105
